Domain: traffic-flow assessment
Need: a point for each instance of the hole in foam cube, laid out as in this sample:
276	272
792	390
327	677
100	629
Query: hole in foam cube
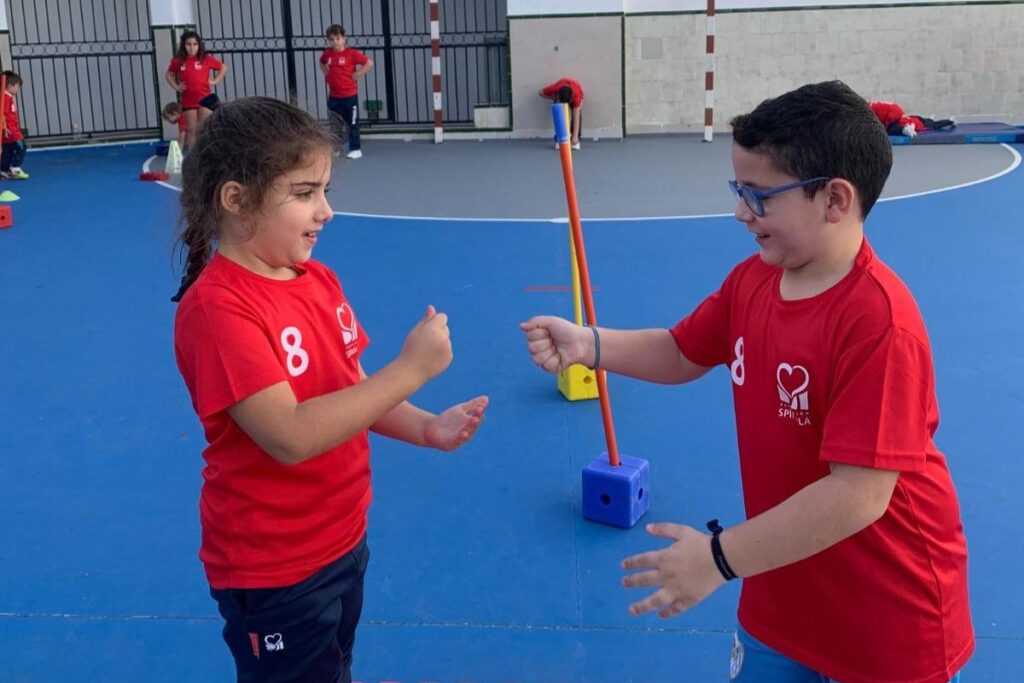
640	494
606	499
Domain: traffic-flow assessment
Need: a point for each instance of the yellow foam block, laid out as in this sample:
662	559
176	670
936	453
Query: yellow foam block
577	383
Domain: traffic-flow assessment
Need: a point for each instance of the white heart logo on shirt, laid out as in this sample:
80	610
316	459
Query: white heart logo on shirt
790	380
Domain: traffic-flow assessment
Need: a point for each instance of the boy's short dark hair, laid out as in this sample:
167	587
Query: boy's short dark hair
12	78
821	129
565	94
171	108
335	30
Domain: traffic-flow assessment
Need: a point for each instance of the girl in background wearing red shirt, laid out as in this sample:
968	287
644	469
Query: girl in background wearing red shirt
189	73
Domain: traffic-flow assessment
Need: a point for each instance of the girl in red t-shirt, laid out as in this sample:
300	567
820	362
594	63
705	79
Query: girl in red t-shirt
189	73
269	347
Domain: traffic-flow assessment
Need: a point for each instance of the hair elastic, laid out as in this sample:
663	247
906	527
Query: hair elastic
597	347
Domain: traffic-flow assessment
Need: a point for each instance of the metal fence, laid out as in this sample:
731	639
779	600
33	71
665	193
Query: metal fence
87	66
272	47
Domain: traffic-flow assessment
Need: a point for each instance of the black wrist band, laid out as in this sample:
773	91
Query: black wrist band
716	551
597	347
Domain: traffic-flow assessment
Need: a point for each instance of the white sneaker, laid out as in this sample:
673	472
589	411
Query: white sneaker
355	154
576	146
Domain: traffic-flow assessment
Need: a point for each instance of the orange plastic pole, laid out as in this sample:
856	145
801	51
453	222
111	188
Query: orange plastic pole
588	295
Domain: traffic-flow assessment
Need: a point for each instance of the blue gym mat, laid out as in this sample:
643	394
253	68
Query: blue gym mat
965	133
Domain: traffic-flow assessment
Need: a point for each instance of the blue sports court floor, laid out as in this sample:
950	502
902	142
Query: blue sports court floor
483	569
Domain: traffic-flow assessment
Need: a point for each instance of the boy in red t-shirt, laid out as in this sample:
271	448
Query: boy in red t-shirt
13	140
570	92
341	67
853	553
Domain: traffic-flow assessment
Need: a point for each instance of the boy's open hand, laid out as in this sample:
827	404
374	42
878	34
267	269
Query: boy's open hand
455	426
428	346
555	344
685	571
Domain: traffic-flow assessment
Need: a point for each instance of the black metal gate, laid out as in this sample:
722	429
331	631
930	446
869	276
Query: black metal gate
87	67
272	47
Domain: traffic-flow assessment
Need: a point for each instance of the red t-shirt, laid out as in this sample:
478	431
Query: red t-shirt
890	112
845	377
341	64
12	132
577	91
266	524
195	75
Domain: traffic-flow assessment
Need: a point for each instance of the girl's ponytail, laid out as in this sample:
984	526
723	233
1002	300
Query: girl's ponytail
200	246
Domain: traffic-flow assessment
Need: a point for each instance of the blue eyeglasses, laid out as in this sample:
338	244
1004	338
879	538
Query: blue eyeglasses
754	199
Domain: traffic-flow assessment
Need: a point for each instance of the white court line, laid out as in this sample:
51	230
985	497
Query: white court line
145	169
63	148
1009	169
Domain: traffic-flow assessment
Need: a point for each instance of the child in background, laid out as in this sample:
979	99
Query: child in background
341	67
898	122
853	557
568	91
13	140
269	347
189	73
172	114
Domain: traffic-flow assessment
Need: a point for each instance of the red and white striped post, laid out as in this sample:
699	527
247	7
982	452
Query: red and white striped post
435	66
709	74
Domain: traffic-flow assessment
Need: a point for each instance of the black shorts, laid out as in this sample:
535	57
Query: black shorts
303	632
211	101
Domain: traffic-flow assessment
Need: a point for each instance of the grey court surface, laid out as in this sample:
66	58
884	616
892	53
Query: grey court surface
647	176
635	177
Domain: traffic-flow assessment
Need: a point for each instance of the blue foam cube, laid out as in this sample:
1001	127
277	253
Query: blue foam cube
618	496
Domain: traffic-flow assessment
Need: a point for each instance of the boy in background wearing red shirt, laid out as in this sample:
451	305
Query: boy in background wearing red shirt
853	557
172	114
898	122
570	92
14	141
341	67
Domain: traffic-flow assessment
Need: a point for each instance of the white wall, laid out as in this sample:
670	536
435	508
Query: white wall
586	49
171	13
960	60
520	8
